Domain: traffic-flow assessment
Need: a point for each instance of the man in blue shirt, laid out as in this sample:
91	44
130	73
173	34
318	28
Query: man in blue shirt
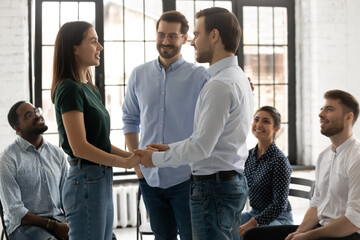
32	174
217	148
160	100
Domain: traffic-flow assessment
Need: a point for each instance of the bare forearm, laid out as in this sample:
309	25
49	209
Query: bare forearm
117	151
339	227
32	219
310	220
132	142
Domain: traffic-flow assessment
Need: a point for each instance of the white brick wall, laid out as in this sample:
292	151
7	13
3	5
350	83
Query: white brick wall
327	56
327	45
14	62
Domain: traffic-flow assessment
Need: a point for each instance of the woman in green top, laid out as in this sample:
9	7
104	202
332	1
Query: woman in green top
84	129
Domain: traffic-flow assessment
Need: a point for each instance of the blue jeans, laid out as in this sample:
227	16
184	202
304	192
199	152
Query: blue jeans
88	202
29	232
284	219
216	208
168	209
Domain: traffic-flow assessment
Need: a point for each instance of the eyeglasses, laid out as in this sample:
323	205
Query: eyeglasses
171	36
31	114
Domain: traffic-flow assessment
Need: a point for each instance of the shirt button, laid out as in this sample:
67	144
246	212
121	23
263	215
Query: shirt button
162	109
162	92
161	126
160	142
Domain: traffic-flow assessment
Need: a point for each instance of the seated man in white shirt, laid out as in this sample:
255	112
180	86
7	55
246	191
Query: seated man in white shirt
32	174
335	207
334	211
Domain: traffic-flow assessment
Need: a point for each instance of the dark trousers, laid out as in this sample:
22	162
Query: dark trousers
281	232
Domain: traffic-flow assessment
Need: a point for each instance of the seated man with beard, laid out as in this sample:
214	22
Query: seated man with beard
32	173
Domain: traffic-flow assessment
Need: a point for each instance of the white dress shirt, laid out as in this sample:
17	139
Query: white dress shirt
222	121
337	187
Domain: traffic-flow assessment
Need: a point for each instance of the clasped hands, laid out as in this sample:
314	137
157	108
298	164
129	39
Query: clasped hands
146	154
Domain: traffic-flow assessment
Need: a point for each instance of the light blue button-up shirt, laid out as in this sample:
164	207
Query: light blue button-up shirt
31	180
222	122
162	104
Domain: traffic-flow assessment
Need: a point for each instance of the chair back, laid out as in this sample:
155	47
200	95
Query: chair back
3	233
302	193
142	227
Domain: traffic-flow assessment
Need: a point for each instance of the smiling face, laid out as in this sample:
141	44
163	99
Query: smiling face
169	47
30	122
201	42
332	118
263	126
88	52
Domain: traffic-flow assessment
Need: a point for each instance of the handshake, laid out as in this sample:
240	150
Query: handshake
144	156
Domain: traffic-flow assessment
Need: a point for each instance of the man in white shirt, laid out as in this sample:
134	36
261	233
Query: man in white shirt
334	211
216	151
335	207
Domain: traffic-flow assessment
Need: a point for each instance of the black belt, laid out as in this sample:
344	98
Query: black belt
222	175
75	162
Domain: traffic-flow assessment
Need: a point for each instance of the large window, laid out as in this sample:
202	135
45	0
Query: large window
126	29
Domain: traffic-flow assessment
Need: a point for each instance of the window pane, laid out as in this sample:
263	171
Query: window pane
87	12
153	11
281	139
256	97
114	100
47	66
251	63
224	4
114	70
280	25
187	8
134	54
281	65
266	96
50	22
134	20
52	138
188	52
151	52
113	21
281	101
266	64
49	112
266	25
69	12
117	139
250	25
199	5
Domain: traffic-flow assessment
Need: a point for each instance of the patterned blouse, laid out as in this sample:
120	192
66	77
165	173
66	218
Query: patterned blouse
268	180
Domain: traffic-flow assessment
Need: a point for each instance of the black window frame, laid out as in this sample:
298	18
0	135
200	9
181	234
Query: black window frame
237	6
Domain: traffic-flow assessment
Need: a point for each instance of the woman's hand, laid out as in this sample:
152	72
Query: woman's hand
247	226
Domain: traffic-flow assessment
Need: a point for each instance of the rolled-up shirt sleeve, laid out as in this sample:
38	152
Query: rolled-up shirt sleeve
130	108
353	203
10	193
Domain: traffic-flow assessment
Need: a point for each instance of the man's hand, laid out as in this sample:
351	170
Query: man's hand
145	157
247	226
299	236
251	84
61	230
133	161
158	147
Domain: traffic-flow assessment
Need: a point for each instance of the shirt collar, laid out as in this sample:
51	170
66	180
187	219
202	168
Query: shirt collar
223	63
25	145
271	147
344	145
173	66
